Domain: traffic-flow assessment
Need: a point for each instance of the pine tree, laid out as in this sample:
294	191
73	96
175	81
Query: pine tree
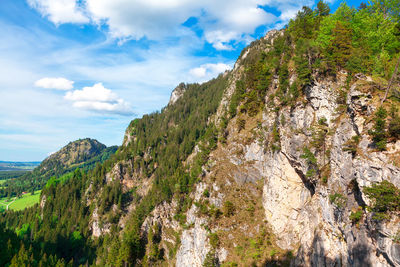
379	132
341	47
323	9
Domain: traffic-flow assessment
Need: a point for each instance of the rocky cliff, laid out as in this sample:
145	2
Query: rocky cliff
281	186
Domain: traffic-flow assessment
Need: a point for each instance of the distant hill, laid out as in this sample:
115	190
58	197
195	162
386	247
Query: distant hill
71	156
18	166
82	153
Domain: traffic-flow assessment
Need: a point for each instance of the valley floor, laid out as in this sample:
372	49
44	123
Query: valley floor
25	201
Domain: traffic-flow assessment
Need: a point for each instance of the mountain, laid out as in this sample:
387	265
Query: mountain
289	159
70	156
82	153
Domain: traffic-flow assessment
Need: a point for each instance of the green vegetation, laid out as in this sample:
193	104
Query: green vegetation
228	209
5	175
309	156
53	166
20	203
154	238
338	200
382	132
351	145
379	132
275	144
211	260
236	98
66	215
394	123
362	40
356	216
396	237
214	240
385	198
311	162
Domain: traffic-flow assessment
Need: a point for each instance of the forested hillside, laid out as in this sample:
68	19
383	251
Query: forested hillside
84	154
291	158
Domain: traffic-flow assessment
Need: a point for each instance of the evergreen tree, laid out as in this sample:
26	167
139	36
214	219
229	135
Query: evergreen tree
341	47
322	9
379	132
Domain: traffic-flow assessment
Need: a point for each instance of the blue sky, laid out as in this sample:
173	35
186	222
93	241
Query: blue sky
72	69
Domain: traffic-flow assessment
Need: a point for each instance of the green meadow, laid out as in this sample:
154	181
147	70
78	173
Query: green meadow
21	203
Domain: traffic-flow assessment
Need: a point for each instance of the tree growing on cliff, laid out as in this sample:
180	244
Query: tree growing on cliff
340	48
378	133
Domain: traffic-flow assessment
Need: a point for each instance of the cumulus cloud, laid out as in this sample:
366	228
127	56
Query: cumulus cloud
55	83
99	98
135	19
208	71
222	21
60	11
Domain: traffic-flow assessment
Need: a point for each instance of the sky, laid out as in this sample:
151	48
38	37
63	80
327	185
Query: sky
73	69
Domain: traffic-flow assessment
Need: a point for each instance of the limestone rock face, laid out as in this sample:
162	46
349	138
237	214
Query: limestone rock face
303	202
285	201
194	247
194	241
299	208
163	218
177	93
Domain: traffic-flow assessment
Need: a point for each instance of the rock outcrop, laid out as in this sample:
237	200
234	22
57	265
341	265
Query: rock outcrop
177	93
298	201
281	186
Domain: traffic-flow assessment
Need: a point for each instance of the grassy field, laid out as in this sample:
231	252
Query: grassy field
21	203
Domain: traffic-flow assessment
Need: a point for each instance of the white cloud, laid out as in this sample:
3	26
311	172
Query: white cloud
199	72
135	19
95	93
220	38
60	11
222	21
99	98
208	71
55	83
